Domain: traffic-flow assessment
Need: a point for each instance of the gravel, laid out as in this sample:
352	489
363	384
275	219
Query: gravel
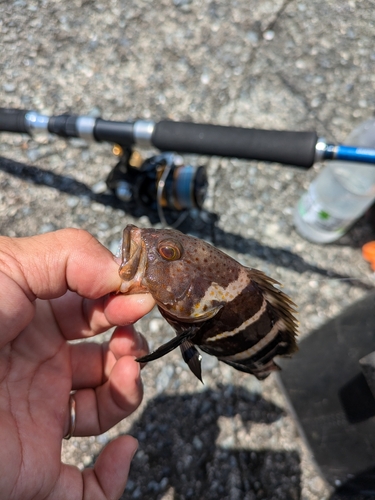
282	64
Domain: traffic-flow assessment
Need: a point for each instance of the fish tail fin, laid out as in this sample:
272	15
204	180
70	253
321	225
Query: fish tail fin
192	358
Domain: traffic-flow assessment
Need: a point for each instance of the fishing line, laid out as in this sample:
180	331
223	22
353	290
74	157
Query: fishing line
362	279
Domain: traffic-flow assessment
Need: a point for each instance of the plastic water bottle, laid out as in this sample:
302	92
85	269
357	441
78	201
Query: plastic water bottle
339	195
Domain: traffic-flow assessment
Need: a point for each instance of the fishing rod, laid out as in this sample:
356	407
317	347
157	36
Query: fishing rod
163	180
301	149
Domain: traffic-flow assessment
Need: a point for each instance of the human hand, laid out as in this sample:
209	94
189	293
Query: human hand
54	288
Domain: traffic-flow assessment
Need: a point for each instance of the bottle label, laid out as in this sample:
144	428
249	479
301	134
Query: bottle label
314	214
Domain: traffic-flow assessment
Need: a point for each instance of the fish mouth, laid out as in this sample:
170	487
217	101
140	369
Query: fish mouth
134	261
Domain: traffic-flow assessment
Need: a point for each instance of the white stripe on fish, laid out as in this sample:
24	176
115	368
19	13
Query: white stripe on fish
242	327
216	293
279	325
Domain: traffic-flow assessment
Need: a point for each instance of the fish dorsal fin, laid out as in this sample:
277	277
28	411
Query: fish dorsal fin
283	305
170	345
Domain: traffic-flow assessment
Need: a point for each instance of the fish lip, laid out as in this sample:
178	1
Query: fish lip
134	261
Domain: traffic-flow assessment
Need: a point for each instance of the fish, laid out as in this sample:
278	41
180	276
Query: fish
214	303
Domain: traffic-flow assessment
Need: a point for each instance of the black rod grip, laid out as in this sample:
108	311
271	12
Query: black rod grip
290	148
13	120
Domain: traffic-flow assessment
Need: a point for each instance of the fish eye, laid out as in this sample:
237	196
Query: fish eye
169	250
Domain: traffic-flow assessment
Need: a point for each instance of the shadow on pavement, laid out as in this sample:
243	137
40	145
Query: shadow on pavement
332	400
177	449
203	226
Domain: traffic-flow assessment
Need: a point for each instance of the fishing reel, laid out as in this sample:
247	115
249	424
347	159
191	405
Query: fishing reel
161	182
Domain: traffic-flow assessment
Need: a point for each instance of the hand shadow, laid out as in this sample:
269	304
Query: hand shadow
177	449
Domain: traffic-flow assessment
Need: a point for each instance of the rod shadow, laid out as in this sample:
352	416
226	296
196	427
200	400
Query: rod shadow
177	449
202	225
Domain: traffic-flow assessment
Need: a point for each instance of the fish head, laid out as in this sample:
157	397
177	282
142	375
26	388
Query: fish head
186	276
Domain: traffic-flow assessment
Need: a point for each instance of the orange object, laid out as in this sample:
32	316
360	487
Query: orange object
368	253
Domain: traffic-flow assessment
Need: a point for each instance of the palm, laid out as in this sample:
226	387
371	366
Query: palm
38	371
34	391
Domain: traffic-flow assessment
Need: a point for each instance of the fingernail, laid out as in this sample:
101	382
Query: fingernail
136	447
140	342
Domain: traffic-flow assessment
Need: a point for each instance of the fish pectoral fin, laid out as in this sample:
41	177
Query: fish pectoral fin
207	314
168	346
192	358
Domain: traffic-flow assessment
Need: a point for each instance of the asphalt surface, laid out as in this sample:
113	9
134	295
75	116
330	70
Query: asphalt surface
282	65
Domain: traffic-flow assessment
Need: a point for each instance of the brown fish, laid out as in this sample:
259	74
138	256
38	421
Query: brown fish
212	301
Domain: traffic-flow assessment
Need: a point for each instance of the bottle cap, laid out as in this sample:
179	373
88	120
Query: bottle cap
368	253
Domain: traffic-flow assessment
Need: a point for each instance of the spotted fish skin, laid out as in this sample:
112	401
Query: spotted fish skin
212	301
